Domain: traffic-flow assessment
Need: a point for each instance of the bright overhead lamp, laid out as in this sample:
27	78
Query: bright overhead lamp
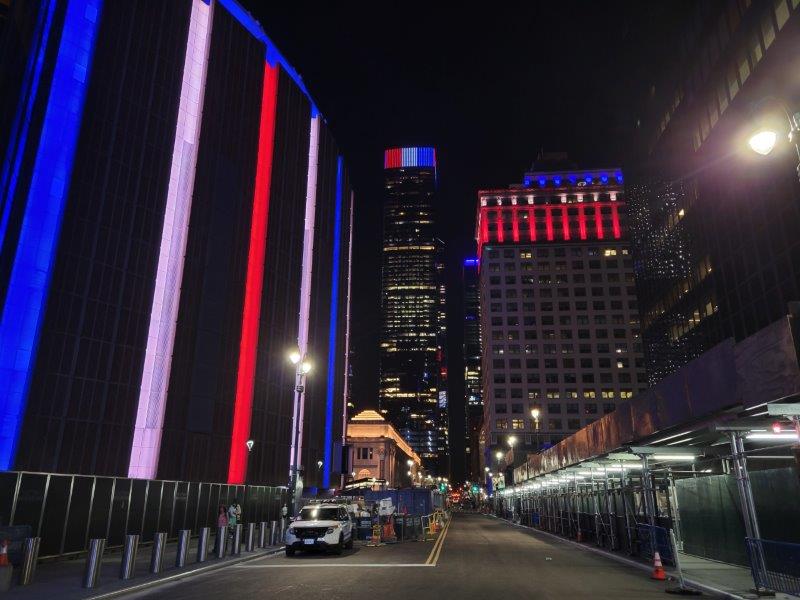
763	142
772	437
689	457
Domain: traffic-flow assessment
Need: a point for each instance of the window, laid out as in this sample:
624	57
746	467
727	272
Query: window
364	453
554	424
573	423
518	423
554	409
572	408
501	409
590	409
608	407
501	424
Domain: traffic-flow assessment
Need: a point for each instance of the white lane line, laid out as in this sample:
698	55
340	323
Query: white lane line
314	566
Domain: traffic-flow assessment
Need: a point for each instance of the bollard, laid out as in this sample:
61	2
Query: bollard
250	538
30	555
183	547
273	533
262	535
157	557
202	544
220	547
236	547
94	560
131	548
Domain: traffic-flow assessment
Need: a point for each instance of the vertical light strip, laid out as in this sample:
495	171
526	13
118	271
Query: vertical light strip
254	284
532	224
598	221
174	234
615	221
515	223
548	222
298	410
22	121
498	220
565	222
347	325
582	221
32	269
337	245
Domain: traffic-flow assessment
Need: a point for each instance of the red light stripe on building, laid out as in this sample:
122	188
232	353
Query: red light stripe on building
582	221
515	223
548	222
615	221
532	224
499	222
565	222
251	313
598	221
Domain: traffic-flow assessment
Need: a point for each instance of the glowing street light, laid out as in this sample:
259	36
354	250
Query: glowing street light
512	440
498	455
763	142
769	130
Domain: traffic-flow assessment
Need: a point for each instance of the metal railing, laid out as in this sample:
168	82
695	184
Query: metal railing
775	565
66	511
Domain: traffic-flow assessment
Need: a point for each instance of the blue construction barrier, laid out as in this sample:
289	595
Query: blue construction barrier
775	565
653	537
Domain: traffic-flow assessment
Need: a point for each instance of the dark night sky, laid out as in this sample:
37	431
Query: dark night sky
488	89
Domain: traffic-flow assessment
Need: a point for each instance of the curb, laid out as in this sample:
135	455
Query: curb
703	587
182	575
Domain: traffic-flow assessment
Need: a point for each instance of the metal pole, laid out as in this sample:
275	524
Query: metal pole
157	557
94	560
273	533
30	555
221	535
129	551
250	537
183	547
202	544
262	534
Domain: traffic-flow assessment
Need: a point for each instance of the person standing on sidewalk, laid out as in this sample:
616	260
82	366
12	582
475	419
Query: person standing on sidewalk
234	514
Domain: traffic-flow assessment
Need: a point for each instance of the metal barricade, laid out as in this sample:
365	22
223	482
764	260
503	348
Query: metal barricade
129	551
30	555
236	546
202	544
157	557
94	560
249	539
775	565
654	538
183	547
219	548
262	534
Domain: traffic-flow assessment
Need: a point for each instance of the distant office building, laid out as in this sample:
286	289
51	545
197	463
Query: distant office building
176	216
472	367
379	455
713	225
413	371
559	319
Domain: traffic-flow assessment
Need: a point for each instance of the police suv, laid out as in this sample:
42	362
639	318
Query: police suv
321	526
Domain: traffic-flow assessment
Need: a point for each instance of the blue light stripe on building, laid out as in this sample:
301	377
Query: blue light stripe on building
33	74
33	263
337	245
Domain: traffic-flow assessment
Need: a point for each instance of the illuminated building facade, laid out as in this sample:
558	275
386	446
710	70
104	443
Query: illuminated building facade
559	319
413	372
713	225
176	216
472	367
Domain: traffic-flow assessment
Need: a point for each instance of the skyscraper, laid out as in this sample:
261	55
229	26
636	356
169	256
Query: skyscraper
559	319
472	367
413	372
713	225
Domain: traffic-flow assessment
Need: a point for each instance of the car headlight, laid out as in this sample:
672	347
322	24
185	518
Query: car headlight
332	529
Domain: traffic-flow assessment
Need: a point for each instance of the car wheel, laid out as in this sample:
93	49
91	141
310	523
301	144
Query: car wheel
337	549
289	551
349	544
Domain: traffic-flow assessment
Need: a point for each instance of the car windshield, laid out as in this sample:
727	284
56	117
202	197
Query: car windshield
320	513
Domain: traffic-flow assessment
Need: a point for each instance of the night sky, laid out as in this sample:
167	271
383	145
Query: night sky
488	88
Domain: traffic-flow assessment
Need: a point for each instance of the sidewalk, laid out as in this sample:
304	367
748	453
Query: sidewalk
62	579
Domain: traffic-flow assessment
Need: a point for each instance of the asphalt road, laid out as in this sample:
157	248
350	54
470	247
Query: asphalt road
477	557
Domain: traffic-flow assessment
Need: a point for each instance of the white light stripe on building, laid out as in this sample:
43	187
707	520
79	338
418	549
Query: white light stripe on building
174	233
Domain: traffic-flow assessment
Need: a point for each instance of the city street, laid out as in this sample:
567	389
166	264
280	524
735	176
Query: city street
478	557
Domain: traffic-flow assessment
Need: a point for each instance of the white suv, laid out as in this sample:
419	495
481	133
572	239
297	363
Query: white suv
325	526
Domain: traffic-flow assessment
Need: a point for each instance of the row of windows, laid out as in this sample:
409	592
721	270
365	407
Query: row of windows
561	278
556	252
554	378
552	424
567	363
553	349
570	408
542	280
564	306
565	320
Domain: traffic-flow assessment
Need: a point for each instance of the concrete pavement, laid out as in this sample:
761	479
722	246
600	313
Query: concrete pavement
475	557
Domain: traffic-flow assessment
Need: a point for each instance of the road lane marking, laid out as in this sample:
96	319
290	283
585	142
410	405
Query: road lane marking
334	564
433	557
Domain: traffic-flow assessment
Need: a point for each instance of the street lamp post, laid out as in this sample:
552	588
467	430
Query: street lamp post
765	137
535	412
302	368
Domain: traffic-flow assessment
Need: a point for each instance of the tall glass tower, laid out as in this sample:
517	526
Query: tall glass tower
413	372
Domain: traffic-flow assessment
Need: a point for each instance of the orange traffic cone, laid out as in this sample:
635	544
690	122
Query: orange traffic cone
4	553
658	568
